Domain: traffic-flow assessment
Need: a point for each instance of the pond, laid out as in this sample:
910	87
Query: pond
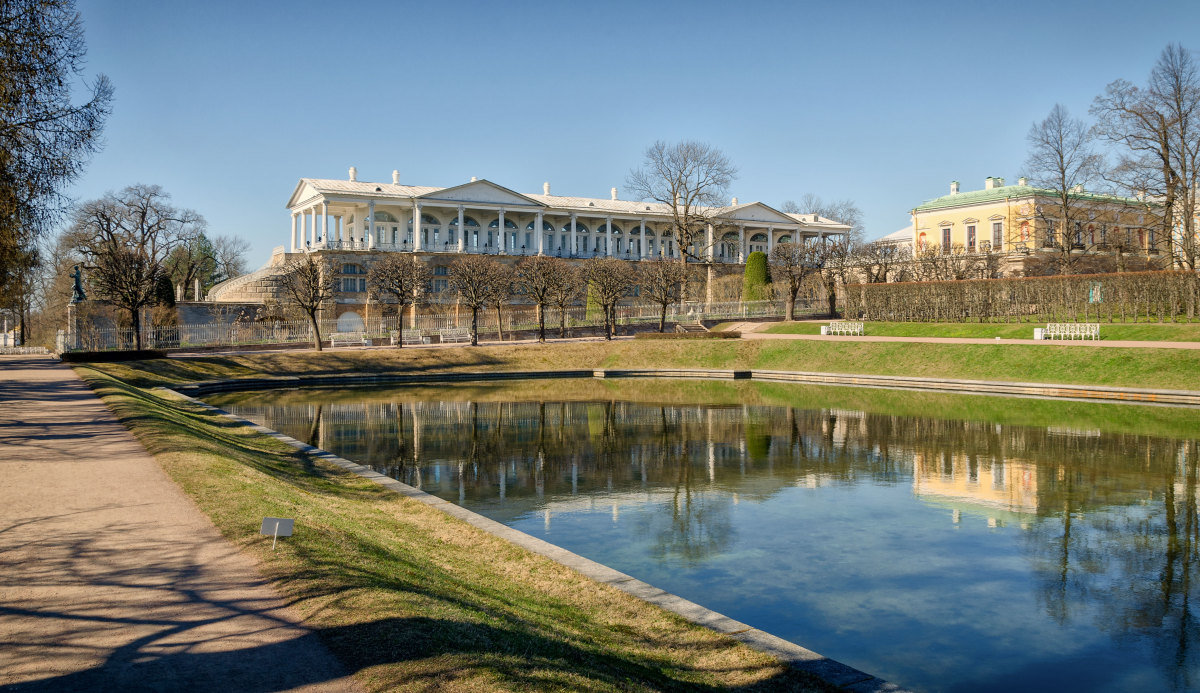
942	542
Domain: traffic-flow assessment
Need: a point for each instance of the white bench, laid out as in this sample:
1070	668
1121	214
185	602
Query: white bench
406	338
1071	330
845	327
455	334
349	338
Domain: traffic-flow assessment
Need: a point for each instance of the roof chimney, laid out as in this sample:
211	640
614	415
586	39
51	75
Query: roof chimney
1077	188
395	177
614	193
473	179
733	202
953	187
353	174
816	217
546	188
1022	181
992	182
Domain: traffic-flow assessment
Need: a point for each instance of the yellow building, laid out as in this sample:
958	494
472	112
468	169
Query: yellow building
1022	219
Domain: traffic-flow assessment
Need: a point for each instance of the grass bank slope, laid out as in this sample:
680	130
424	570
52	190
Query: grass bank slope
1127	367
405	596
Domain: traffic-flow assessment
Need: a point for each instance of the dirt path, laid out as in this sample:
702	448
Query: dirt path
110	577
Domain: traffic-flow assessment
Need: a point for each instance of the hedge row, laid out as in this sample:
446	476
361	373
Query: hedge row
1125	297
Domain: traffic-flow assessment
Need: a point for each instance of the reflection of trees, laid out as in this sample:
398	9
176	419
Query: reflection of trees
1136	567
698	524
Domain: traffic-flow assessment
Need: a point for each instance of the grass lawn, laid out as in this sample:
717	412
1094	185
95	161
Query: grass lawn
1144	331
1130	367
405	596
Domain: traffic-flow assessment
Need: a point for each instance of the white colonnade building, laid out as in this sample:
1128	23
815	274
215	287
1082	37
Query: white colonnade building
483	217
354	223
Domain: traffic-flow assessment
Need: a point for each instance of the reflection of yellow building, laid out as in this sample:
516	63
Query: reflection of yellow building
991	487
1007	218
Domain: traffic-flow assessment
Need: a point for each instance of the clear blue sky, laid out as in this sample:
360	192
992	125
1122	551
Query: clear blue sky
228	104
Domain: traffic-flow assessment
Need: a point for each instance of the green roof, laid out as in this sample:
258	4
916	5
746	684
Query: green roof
1003	192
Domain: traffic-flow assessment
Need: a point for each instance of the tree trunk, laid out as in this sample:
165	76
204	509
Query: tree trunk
562	321
499	324
607	324
791	307
474	326
312	320
662	319
400	327
136	314
832	301
541	315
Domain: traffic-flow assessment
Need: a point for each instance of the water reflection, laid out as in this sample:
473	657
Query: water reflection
1102	527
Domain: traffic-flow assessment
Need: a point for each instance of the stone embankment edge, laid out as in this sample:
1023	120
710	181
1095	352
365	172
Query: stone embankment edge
976	387
833	672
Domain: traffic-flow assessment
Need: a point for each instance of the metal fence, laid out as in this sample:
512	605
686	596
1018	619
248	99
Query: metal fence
512	319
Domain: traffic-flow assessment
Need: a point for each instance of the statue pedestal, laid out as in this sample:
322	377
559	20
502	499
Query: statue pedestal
74	339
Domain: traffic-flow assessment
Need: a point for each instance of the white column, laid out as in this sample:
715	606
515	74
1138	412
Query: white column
371	224
770	240
741	244
337	222
462	231
503	234
708	239
418	237
325	223
608	236
294	232
537	224
642	240
574	247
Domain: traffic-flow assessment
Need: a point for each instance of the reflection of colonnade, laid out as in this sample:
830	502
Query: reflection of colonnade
547	453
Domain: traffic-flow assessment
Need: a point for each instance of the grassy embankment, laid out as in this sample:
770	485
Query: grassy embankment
1129	367
1138	332
408	597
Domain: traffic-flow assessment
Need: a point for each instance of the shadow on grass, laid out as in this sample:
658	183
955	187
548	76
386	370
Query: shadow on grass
440	611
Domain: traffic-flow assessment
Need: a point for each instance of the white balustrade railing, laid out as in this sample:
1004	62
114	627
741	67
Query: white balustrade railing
513	318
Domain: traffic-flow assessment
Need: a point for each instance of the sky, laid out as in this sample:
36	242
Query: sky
227	105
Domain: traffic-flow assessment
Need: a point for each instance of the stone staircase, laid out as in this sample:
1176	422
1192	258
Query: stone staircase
690	327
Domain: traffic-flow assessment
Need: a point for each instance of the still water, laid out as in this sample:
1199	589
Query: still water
945	543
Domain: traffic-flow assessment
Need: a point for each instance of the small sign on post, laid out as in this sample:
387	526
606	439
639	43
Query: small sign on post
276	527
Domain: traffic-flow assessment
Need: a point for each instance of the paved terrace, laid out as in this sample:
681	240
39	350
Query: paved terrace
110	577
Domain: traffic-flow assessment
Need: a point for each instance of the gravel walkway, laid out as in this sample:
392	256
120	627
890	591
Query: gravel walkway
110	577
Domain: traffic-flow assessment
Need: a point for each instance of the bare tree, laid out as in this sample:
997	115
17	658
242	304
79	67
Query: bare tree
609	280
405	278
1062	160
230	255
1158	130
538	278
125	239
565	289
878	260
662	282
474	278
307	283
791	265
692	180
45	138
844	211
503	283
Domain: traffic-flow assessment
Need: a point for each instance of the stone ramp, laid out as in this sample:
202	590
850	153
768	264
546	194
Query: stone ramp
110	577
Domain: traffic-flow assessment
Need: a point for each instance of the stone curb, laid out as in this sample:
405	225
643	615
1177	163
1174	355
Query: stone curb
828	670
1014	389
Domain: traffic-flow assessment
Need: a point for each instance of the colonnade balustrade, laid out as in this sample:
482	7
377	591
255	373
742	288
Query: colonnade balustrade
512	232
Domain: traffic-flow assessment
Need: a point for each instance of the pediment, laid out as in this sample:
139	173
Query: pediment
759	212
484	192
304	191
